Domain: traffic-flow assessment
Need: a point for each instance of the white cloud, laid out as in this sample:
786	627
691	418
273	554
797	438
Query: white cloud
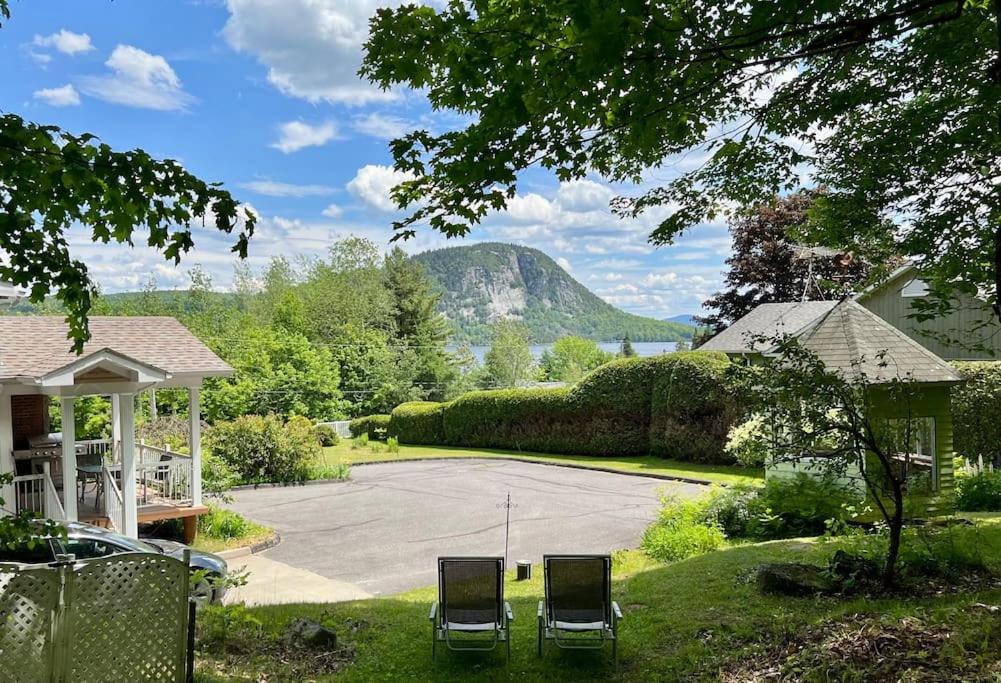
531	208
296	135
273	188
382	126
584	195
564	264
65	41
372	184
138	79
333	211
63	96
311	48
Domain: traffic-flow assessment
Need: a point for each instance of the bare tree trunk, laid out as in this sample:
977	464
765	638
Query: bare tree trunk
896	522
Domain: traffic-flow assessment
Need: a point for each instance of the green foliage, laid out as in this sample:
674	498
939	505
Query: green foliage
681	531
392	445
570	358
626	349
326	435
91	416
509	361
615	88
979	492
609	412
976	411
417	422
217	476
224	524
693	408
276	372
800	506
556	305
263	449
371	426
167	431
747	442
733	509
324	471
53	179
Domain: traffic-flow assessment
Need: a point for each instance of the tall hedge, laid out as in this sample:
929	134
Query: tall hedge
679	405
417	422
976	411
375	426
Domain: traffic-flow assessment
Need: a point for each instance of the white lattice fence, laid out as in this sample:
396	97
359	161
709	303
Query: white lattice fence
119	618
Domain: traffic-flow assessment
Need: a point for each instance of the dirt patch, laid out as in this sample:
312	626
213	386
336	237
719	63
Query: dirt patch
866	648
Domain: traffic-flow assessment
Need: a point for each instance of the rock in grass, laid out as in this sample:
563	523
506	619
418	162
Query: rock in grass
305	633
793	579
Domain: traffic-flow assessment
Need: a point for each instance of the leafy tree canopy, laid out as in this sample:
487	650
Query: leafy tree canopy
893	105
571	358
509	361
766	268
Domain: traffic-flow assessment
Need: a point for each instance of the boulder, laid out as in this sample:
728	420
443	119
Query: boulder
793	579
305	633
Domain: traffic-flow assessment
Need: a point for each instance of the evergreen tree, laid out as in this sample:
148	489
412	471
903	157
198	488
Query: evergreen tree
626	349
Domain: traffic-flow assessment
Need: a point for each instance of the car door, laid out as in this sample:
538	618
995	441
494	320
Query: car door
86	548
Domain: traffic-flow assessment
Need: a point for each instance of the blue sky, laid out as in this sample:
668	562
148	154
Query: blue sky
262	95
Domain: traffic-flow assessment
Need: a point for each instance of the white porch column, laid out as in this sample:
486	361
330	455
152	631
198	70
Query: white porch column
127	427
116	427
195	442
7	450
69	459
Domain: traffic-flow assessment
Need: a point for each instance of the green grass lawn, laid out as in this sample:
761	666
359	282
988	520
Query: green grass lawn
683	621
725	474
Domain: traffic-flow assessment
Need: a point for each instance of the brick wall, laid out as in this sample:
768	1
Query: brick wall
30	415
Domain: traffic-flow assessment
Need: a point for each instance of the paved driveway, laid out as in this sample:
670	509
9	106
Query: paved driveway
383	530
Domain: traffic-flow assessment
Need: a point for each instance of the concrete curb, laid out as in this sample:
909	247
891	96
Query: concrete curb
267	543
278	484
570	465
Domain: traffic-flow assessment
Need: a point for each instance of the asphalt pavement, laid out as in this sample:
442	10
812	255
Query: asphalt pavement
381	531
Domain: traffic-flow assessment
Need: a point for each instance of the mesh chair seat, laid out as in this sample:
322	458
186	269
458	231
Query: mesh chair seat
578	611
471	605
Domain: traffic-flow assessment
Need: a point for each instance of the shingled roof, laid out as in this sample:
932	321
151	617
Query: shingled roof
855	342
33	346
767	321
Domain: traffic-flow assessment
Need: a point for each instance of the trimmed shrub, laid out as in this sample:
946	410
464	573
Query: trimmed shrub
326	435
609	412
693	407
263	449
376	426
979	492
976	411
417	422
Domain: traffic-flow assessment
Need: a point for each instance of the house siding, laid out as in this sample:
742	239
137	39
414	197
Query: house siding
970	320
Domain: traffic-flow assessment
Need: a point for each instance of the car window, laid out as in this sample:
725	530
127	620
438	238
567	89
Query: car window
87	548
41	553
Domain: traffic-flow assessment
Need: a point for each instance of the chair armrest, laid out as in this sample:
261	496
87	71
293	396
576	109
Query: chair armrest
508	612
615	610
434	611
542	608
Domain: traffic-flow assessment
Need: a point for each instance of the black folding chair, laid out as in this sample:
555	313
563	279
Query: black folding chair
578	612
470	615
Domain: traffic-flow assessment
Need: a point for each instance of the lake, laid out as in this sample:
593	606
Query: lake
641	348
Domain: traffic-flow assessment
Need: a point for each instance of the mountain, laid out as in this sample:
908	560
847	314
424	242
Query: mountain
684	319
483	283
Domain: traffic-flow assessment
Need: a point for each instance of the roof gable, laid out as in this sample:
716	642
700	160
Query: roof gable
34	346
766	321
854	342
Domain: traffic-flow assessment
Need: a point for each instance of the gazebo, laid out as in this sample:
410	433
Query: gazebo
860	346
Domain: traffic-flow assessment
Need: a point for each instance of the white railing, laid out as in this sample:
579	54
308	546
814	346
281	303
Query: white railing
166	481
152	455
53	506
113	506
29	493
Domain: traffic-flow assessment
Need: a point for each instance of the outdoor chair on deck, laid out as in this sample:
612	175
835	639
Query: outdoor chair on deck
470	615
578	612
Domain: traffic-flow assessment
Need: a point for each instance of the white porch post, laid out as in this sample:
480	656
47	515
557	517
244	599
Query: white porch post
195	442
127	428
116	428
69	459
7	450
